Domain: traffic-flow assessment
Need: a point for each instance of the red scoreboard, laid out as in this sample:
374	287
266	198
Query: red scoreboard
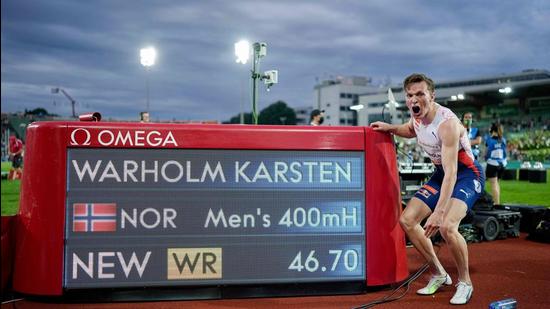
133	205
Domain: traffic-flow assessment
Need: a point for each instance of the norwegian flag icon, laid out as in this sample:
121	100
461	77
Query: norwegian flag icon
94	217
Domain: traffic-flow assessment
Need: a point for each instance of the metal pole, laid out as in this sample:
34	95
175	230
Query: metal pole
72	105
73	102
255	84
242	100
147	86
318	93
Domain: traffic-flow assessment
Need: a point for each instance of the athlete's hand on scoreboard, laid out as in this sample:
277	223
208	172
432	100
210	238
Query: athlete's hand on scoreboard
432	224
380	126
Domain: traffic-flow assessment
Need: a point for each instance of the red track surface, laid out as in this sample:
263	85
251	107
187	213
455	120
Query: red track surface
512	268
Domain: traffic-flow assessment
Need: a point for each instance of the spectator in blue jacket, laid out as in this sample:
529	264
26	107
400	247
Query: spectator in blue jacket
473	133
496	159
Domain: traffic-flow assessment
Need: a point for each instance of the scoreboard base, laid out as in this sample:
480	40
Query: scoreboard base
205	292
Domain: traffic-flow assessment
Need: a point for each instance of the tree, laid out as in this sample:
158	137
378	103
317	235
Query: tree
277	113
39	112
237	119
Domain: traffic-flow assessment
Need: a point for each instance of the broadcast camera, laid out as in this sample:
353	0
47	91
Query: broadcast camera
260	48
270	78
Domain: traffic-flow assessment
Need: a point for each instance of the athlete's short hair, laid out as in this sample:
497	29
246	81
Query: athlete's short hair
417	78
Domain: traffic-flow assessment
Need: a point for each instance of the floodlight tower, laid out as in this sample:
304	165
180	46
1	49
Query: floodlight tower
73	102
259	50
148	56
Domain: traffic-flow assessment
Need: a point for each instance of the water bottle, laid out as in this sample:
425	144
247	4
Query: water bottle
509	303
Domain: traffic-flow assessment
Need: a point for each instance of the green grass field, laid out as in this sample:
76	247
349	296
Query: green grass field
10	197
10	193
6	166
512	192
524	192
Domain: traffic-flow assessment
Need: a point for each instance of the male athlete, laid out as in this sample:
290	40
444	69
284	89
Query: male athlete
451	191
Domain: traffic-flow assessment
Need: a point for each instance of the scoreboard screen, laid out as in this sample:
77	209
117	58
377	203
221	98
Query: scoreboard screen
175	217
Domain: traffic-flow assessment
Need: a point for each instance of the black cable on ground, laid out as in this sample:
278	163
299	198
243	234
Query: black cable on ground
407	283
387	299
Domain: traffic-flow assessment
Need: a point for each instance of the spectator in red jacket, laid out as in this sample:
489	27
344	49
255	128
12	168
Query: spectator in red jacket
15	150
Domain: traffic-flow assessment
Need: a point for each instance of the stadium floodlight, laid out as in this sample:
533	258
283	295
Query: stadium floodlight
460	96
242	51
357	107
505	90
148	56
454	98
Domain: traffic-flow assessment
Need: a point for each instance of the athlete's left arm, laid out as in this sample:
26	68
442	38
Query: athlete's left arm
449	133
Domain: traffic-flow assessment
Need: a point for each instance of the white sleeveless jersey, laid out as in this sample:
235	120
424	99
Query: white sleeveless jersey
428	136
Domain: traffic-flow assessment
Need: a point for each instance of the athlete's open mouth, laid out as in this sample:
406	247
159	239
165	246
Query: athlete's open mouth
416	109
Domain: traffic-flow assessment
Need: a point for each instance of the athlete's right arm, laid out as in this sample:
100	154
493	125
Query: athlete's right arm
403	130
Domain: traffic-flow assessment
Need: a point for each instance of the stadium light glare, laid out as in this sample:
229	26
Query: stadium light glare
148	56
460	96
357	107
242	51
454	98
505	90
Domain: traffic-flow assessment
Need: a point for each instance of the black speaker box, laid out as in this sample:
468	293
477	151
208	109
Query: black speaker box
531	215
510	174
523	174
537	176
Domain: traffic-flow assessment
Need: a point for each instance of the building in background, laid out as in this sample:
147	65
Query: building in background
516	100
302	115
335	96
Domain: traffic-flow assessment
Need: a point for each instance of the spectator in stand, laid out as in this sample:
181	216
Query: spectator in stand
513	151
316	117
496	159
473	133
15	151
144	117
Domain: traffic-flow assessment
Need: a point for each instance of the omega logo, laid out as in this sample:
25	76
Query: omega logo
82	137
86	135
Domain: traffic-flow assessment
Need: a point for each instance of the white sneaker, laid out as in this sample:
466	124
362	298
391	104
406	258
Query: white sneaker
463	293
435	283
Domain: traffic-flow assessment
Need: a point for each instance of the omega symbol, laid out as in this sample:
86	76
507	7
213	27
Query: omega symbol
86	140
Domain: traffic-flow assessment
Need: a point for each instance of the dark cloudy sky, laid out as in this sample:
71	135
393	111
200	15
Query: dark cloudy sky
91	49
